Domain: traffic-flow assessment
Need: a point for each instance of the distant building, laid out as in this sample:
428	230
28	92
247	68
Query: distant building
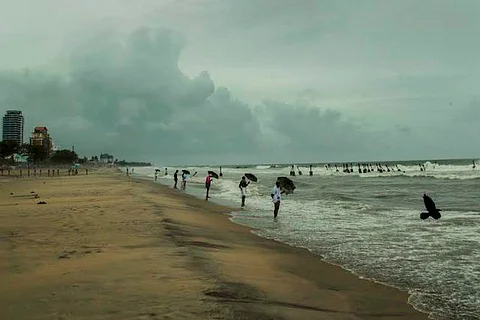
13	126
41	137
106	158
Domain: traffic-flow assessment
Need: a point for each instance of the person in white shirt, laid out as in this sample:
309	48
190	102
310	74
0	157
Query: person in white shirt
276	197
243	189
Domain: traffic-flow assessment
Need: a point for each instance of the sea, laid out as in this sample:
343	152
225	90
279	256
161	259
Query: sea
368	223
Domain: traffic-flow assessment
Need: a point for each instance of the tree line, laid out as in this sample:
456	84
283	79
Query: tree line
35	154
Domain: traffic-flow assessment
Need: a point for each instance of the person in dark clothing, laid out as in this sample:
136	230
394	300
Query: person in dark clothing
243	189
208	183
175	178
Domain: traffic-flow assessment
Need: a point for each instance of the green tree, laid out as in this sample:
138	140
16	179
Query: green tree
8	148
64	157
37	154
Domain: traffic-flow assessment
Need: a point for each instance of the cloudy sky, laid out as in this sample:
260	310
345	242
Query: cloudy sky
251	81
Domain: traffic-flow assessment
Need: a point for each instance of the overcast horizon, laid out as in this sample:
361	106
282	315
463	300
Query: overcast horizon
236	82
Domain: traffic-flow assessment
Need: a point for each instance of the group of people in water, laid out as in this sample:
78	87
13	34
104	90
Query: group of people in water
276	193
366	168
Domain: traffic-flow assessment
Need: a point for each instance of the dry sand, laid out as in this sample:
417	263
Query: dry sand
108	247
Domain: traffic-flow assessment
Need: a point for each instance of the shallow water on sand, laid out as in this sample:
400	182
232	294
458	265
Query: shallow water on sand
369	224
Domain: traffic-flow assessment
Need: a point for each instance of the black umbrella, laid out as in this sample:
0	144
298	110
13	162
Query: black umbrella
286	184
213	174
157	170
186	171
251	177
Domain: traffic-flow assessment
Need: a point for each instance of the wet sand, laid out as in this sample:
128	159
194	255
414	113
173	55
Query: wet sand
105	246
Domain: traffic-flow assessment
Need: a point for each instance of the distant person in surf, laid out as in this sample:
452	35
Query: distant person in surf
208	183
276	197
175	179
243	189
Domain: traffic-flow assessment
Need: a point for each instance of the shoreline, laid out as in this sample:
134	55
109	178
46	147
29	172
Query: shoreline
194	261
232	210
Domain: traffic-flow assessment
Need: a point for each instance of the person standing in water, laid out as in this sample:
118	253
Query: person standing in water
184	181
276	197
208	183
243	189
175	178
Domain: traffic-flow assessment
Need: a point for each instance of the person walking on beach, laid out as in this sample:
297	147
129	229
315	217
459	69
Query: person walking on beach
276	197
184	181
243	189
208	183
175	178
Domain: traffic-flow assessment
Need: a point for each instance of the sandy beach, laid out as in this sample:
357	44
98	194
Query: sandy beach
105	246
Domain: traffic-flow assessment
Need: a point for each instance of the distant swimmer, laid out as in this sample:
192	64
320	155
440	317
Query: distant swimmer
431	208
243	189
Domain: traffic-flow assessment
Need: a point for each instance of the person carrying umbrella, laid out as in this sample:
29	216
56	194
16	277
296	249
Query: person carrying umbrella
276	197
184	180
243	189
208	183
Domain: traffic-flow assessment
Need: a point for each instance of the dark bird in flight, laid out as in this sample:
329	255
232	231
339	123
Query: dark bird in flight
431	208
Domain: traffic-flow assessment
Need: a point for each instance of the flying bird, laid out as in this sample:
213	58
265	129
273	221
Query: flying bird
431	208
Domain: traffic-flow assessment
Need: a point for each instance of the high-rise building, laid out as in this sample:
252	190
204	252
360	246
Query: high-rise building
13	126
41	137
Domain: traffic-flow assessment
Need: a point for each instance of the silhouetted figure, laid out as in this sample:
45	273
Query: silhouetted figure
359	169
310	172
175	179
421	168
221	174
473	167
208	183
336	168
166	172
299	171
431	208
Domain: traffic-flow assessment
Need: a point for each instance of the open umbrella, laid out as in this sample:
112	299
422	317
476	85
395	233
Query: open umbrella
286	184
157	170
251	177
213	174
186	171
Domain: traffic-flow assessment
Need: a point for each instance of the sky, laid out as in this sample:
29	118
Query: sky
241	82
